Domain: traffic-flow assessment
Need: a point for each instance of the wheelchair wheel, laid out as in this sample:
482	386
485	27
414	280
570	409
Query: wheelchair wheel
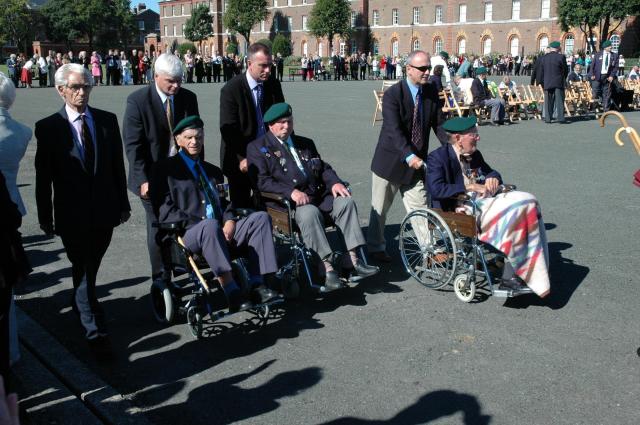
464	289
263	313
162	302
428	249
194	319
289	285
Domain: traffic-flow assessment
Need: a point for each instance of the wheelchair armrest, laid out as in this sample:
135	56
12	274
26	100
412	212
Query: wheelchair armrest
275	197
170	227
463	197
243	212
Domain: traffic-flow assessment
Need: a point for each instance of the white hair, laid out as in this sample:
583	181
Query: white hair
169	64
7	92
62	74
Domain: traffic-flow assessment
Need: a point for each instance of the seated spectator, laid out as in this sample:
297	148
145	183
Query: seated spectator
575	76
184	189
289	165
507	84
482	96
510	222
634	74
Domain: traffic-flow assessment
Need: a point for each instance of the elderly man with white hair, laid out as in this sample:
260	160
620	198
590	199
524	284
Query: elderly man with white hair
12	69
151	114
81	190
14	138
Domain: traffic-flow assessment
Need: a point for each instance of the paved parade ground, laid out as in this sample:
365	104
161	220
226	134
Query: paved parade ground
387	350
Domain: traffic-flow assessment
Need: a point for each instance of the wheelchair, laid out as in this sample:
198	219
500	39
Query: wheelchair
300	273
199	295
440	247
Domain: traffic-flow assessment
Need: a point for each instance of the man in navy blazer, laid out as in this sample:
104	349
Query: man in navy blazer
552	77
289	165
604	70
184	189
79	156
243	102
151	113
409	110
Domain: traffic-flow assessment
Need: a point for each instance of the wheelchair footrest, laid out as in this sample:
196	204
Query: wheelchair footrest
510	293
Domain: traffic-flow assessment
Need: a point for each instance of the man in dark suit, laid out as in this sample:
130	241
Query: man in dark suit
279	66
79	154
482	96
243	101
409	111
184	189
604	70
552	77
289	165
575	76
151	113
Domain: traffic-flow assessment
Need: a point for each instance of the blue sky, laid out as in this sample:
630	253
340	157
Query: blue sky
151	4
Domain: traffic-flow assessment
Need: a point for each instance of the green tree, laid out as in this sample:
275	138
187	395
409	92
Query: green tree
242	15
199	26
282	45
605	16
15	22
329	18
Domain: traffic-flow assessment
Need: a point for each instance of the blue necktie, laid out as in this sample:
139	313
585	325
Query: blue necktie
259	118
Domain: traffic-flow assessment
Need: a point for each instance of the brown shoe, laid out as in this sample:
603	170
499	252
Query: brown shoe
380	257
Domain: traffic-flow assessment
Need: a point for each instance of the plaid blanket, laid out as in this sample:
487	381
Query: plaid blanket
512	223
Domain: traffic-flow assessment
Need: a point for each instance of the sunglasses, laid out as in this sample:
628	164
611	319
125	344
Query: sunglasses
424	68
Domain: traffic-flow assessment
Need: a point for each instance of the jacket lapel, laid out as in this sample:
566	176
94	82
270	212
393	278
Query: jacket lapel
158	110
101	140
246	92
67	137
454	165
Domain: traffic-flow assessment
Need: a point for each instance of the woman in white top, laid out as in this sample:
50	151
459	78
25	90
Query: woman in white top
375	66
621	65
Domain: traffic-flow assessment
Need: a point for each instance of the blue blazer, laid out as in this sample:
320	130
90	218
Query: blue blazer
273	169
445	179
596	66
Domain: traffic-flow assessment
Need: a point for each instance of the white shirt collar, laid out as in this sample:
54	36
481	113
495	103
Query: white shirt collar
163	97
73	115
252	83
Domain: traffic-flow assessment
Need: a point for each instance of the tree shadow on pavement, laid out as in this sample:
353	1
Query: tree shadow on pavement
429	407
565	276
227	401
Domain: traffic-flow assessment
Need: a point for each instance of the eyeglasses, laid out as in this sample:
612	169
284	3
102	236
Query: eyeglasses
77	87
424	68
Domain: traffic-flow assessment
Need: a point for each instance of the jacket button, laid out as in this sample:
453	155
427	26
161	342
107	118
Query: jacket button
295	181
203	217
285	170
203	201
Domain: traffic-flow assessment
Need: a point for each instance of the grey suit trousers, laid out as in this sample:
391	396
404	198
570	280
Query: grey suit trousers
311	223
253	233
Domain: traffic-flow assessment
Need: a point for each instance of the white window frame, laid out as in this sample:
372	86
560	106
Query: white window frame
166	31
140	25
415	45
438	45
515	10
395	16
487	45
545	9
569	48
353	18
615	42
462	13
395	47
174	30
488	11
543	43
343	47
514	46
290	23
462	46
304	22
416	16
375	19
438	14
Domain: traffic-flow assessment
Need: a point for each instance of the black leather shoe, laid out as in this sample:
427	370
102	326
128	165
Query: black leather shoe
261	294
514	284
362	270
332	281
237	302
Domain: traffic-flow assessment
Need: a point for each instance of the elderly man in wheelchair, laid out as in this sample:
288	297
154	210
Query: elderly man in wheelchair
473	213
288	170
184	189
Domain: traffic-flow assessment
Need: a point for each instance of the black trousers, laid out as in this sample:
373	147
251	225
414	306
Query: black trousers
216	73
155	254
85	249
5	303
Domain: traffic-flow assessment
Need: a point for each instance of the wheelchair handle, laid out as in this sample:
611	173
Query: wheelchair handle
506	188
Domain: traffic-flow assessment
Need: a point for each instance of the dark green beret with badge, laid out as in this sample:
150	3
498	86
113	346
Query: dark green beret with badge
459	124
192	121
277	111
606	44
444	55
554	44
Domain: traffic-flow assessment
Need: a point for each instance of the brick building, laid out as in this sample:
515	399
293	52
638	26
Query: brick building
398	26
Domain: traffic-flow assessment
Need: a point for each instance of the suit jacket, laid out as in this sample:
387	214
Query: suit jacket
596	65
146	132
394	142
445	179
238	122
536	69
14	138
553	72
479	92
80	200
574	77
176	195
273	169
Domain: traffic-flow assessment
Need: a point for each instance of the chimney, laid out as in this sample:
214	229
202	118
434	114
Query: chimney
141	7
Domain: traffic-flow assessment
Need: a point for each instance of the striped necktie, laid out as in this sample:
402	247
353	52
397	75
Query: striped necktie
416	124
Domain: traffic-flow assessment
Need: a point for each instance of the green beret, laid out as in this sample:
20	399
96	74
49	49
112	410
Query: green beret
555	44
459	124
192	121
277	111
481	70
444	55
606	43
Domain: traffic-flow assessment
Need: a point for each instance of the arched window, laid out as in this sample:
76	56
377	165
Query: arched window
438	45
514	46
376	47
415	45
543	42
305	48
343	48
615	42
462	46
320	49
569	41
394	47
486	46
